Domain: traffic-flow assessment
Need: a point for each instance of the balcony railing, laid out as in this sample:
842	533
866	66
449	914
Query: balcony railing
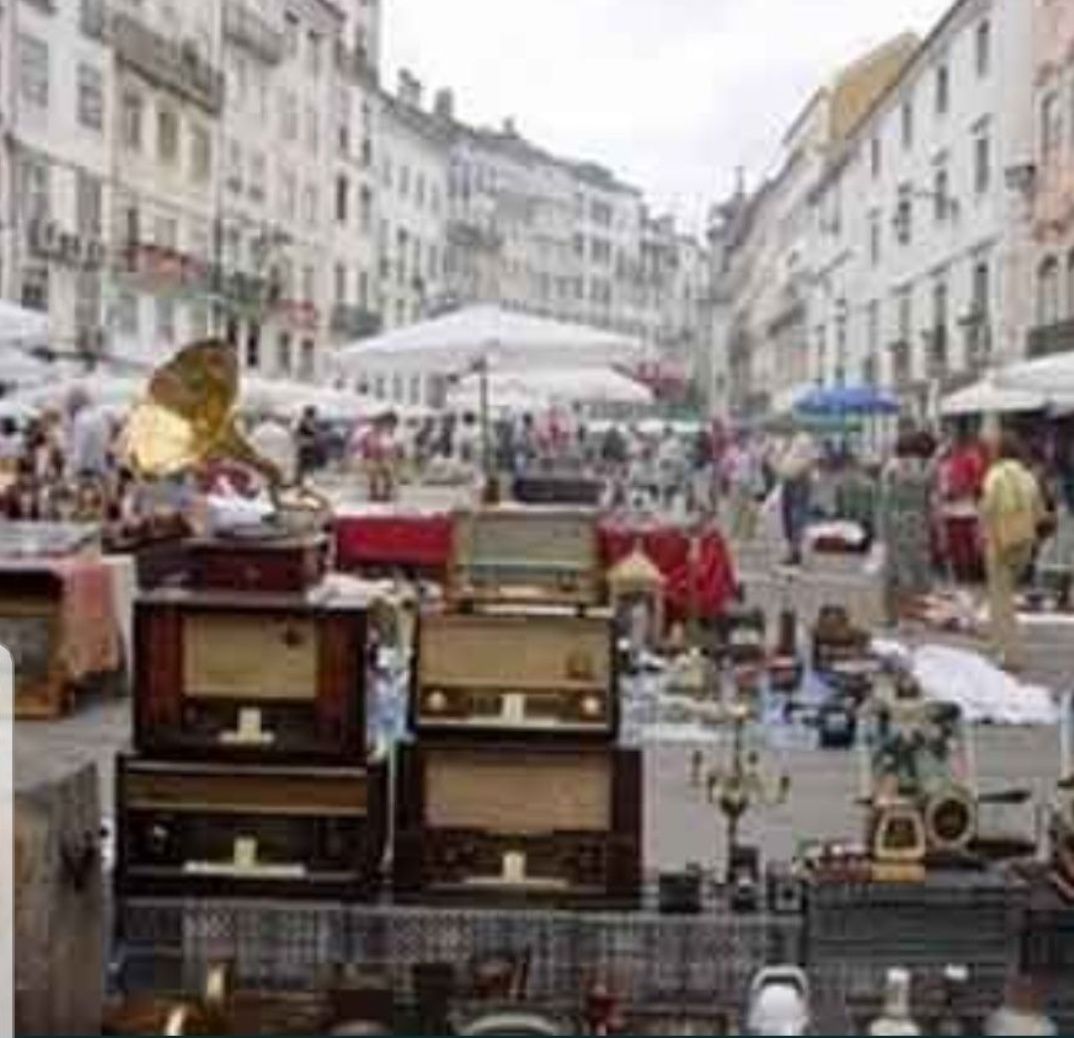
354	322
173	65
1047	339
245	26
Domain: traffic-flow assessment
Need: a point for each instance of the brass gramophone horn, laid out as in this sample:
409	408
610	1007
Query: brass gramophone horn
188	418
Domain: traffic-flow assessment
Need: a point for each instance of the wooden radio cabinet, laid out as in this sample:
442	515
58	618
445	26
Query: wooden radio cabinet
250	677
190	830
517	822
538	674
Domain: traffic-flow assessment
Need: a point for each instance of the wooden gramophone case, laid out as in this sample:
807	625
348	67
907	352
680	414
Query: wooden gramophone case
526	555
266	678
242	830
271	564
518	821
546	674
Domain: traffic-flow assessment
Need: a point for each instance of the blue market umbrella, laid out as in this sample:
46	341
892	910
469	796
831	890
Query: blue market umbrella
841	401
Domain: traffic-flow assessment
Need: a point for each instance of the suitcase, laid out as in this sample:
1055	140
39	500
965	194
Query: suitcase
266	564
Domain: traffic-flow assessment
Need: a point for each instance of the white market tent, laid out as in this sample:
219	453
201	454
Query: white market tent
1052	377
287	398
988	397
21	329
501	339
542	388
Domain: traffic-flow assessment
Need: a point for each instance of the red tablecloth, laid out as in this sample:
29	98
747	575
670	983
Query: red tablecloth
423	541
669	548
408	540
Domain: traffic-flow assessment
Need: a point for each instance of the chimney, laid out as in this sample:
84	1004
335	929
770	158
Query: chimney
409	88
444	105
509	128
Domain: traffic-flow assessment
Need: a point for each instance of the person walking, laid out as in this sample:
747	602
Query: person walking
795	470
1012	508
904	523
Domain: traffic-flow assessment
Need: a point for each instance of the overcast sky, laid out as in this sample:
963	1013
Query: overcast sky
671	94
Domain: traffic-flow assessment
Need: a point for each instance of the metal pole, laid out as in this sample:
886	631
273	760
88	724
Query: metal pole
486	453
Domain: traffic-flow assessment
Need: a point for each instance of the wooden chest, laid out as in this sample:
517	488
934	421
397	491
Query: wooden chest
190	830
279	564
527	555
31	604
519	822
250	677
537	673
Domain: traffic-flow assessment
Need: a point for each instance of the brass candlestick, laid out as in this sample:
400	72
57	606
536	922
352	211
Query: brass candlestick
736	788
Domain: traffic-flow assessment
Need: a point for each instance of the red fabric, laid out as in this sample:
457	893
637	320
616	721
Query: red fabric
669	549
417	540
964	473
962	542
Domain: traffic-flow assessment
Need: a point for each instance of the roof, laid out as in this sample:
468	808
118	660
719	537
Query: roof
421	122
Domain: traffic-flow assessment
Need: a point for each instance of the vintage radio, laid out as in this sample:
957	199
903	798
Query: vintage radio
541	673
562	488
243	830
514	821
256	677
530	555
257	563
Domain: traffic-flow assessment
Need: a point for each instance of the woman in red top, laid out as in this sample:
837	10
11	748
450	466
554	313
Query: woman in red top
962	476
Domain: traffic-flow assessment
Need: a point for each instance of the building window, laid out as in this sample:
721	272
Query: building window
982	161
939	195
363	289
88	205
133	107
419	189
314	53
341	283
309	205
165	319
943	89
34	294
288	192
167	135
979	288
288	115
908	123
283	353
874	238
404	181
873	326
166	232
313	131
342	198
34	188
258	175
90	97
127	313
234	166
290	33
904	217
33	70
309	284
201	154
983	47
875	157
253	345
397	379
306	359
1051	128
365	211
1048	292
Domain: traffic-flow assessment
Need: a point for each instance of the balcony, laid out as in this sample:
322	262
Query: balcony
354	65
168	63
1046	339
244	26
354	322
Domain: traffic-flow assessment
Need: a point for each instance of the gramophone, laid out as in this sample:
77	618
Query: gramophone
188	420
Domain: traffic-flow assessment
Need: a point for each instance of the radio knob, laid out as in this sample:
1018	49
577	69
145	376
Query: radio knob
591	706
436	702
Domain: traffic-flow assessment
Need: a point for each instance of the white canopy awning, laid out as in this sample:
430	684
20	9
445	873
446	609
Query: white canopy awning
22	325
986	397
546	387
457	342
1052	377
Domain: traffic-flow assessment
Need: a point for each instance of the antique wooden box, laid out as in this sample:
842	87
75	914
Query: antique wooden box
533	555
31	603
552	488
537	673
517	821
279	564
250	677
190	830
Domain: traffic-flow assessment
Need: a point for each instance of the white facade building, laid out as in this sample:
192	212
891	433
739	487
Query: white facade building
917	261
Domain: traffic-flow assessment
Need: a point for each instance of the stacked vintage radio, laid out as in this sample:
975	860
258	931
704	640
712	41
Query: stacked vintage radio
515	786
250	775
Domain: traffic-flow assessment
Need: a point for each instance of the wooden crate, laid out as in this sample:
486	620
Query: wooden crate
538	674
250	677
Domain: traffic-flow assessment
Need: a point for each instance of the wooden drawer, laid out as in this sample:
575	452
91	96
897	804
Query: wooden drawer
255	678
534	673
514	821
220	829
